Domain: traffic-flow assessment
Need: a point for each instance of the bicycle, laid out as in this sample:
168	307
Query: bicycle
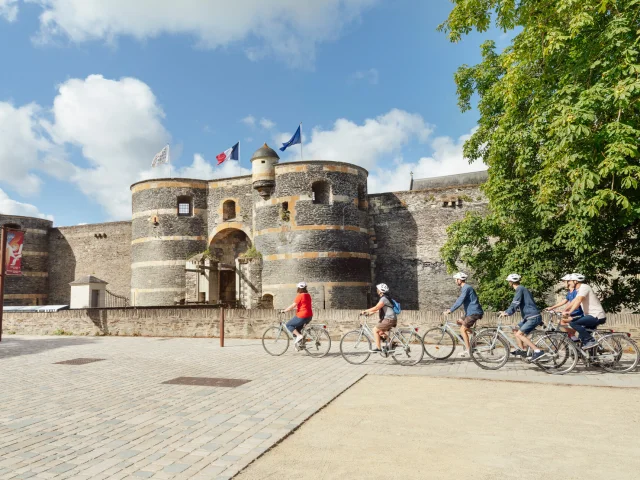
316	341
440	342
403	344
615	352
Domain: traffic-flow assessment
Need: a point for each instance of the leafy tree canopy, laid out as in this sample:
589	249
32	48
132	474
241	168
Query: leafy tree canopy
559	129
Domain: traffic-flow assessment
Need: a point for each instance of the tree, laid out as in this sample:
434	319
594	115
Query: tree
559	129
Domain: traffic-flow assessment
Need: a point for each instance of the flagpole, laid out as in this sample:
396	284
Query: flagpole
301	157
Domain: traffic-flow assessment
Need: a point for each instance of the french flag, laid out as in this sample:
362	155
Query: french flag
229	154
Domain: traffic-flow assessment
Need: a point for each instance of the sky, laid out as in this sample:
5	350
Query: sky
91	90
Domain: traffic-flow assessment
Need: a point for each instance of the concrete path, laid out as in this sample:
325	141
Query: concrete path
115	418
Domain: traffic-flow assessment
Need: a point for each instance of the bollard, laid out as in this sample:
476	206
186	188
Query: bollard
222	326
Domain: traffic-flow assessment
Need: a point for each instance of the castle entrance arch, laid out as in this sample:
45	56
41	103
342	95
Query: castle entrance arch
227	246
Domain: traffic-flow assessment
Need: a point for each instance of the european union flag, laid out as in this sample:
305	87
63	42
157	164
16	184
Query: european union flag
296	139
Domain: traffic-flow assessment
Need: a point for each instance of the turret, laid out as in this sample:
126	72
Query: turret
263	173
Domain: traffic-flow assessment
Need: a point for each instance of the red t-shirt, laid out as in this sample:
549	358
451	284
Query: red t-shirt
303	301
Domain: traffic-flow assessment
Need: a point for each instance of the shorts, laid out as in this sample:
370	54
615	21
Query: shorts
529	325
297	323
469	321
386	324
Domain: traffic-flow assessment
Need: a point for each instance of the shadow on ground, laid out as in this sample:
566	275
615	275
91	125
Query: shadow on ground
16	346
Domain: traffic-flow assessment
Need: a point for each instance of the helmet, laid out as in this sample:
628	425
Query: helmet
460	276
578	277
302	285
566	277
382	287
514	277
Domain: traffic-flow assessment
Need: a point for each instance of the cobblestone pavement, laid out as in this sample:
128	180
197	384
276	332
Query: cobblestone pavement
115	418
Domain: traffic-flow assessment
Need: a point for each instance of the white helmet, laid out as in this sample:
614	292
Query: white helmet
382	287
566	277
514	277
302	285
578	277
460	276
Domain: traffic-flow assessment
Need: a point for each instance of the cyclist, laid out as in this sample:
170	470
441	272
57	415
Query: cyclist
303	315
594	314
473	312
531	318
388	318
577	313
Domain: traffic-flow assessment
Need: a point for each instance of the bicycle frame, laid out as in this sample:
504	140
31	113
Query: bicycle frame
396	336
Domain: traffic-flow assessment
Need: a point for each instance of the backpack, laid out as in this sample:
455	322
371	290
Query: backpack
396	307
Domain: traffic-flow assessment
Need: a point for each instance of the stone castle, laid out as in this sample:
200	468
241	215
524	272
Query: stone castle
247	241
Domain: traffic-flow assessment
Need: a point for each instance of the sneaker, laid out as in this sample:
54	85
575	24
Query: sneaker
463	354
575	339
519	353
537	356
375	350
589	344
298	339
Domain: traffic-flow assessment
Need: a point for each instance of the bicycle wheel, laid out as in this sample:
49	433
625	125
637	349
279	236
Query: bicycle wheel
408	349
562	355
489	350
355	346
275	341
317	342
617	353
439	343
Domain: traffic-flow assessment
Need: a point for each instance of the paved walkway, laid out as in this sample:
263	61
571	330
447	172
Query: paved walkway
115	418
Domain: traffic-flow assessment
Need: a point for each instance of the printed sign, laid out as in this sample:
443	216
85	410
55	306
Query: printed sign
15	239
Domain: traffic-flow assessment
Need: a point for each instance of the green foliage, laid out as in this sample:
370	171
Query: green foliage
559	128
251	253
285	215
207	255
60	331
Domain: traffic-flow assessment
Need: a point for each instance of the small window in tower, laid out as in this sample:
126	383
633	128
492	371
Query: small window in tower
285	215
228	210
184	207
362	201
321	193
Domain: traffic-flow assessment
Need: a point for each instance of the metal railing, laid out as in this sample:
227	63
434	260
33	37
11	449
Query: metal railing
111	300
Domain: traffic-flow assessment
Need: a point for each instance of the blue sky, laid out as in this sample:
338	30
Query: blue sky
90	91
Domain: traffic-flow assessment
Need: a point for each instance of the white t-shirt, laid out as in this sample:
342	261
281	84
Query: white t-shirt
590	303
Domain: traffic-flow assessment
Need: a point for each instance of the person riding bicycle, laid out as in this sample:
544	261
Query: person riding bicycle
303	315
577	313
388	317
594	314
531	318
473	312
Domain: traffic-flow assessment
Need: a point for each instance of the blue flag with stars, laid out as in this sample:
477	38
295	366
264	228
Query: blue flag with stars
295	140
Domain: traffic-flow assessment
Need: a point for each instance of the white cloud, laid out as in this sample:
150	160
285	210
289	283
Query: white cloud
9	9
447	159
376	139
118	126
249	120
267	124
288	29
370	76
13	207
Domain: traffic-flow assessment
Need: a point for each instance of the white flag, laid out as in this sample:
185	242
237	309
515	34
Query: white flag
161	157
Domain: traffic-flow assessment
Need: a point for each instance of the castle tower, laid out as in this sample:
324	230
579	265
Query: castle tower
313	228
263	176
169	225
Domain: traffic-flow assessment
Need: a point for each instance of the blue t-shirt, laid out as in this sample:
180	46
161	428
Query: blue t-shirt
523	301
571	296
469	300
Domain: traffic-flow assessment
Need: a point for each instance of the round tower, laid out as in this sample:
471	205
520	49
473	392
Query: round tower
32	287
169	225
263	176
315	229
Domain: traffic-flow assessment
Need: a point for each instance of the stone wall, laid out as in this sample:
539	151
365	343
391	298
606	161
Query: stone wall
102	250
407	231
31	288
204	322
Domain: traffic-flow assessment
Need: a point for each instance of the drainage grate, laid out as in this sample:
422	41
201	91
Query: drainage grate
207	382
79	361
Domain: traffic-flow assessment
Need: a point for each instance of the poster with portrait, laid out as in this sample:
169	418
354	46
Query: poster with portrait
15	240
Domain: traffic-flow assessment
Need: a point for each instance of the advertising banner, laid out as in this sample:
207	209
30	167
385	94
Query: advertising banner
15	239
